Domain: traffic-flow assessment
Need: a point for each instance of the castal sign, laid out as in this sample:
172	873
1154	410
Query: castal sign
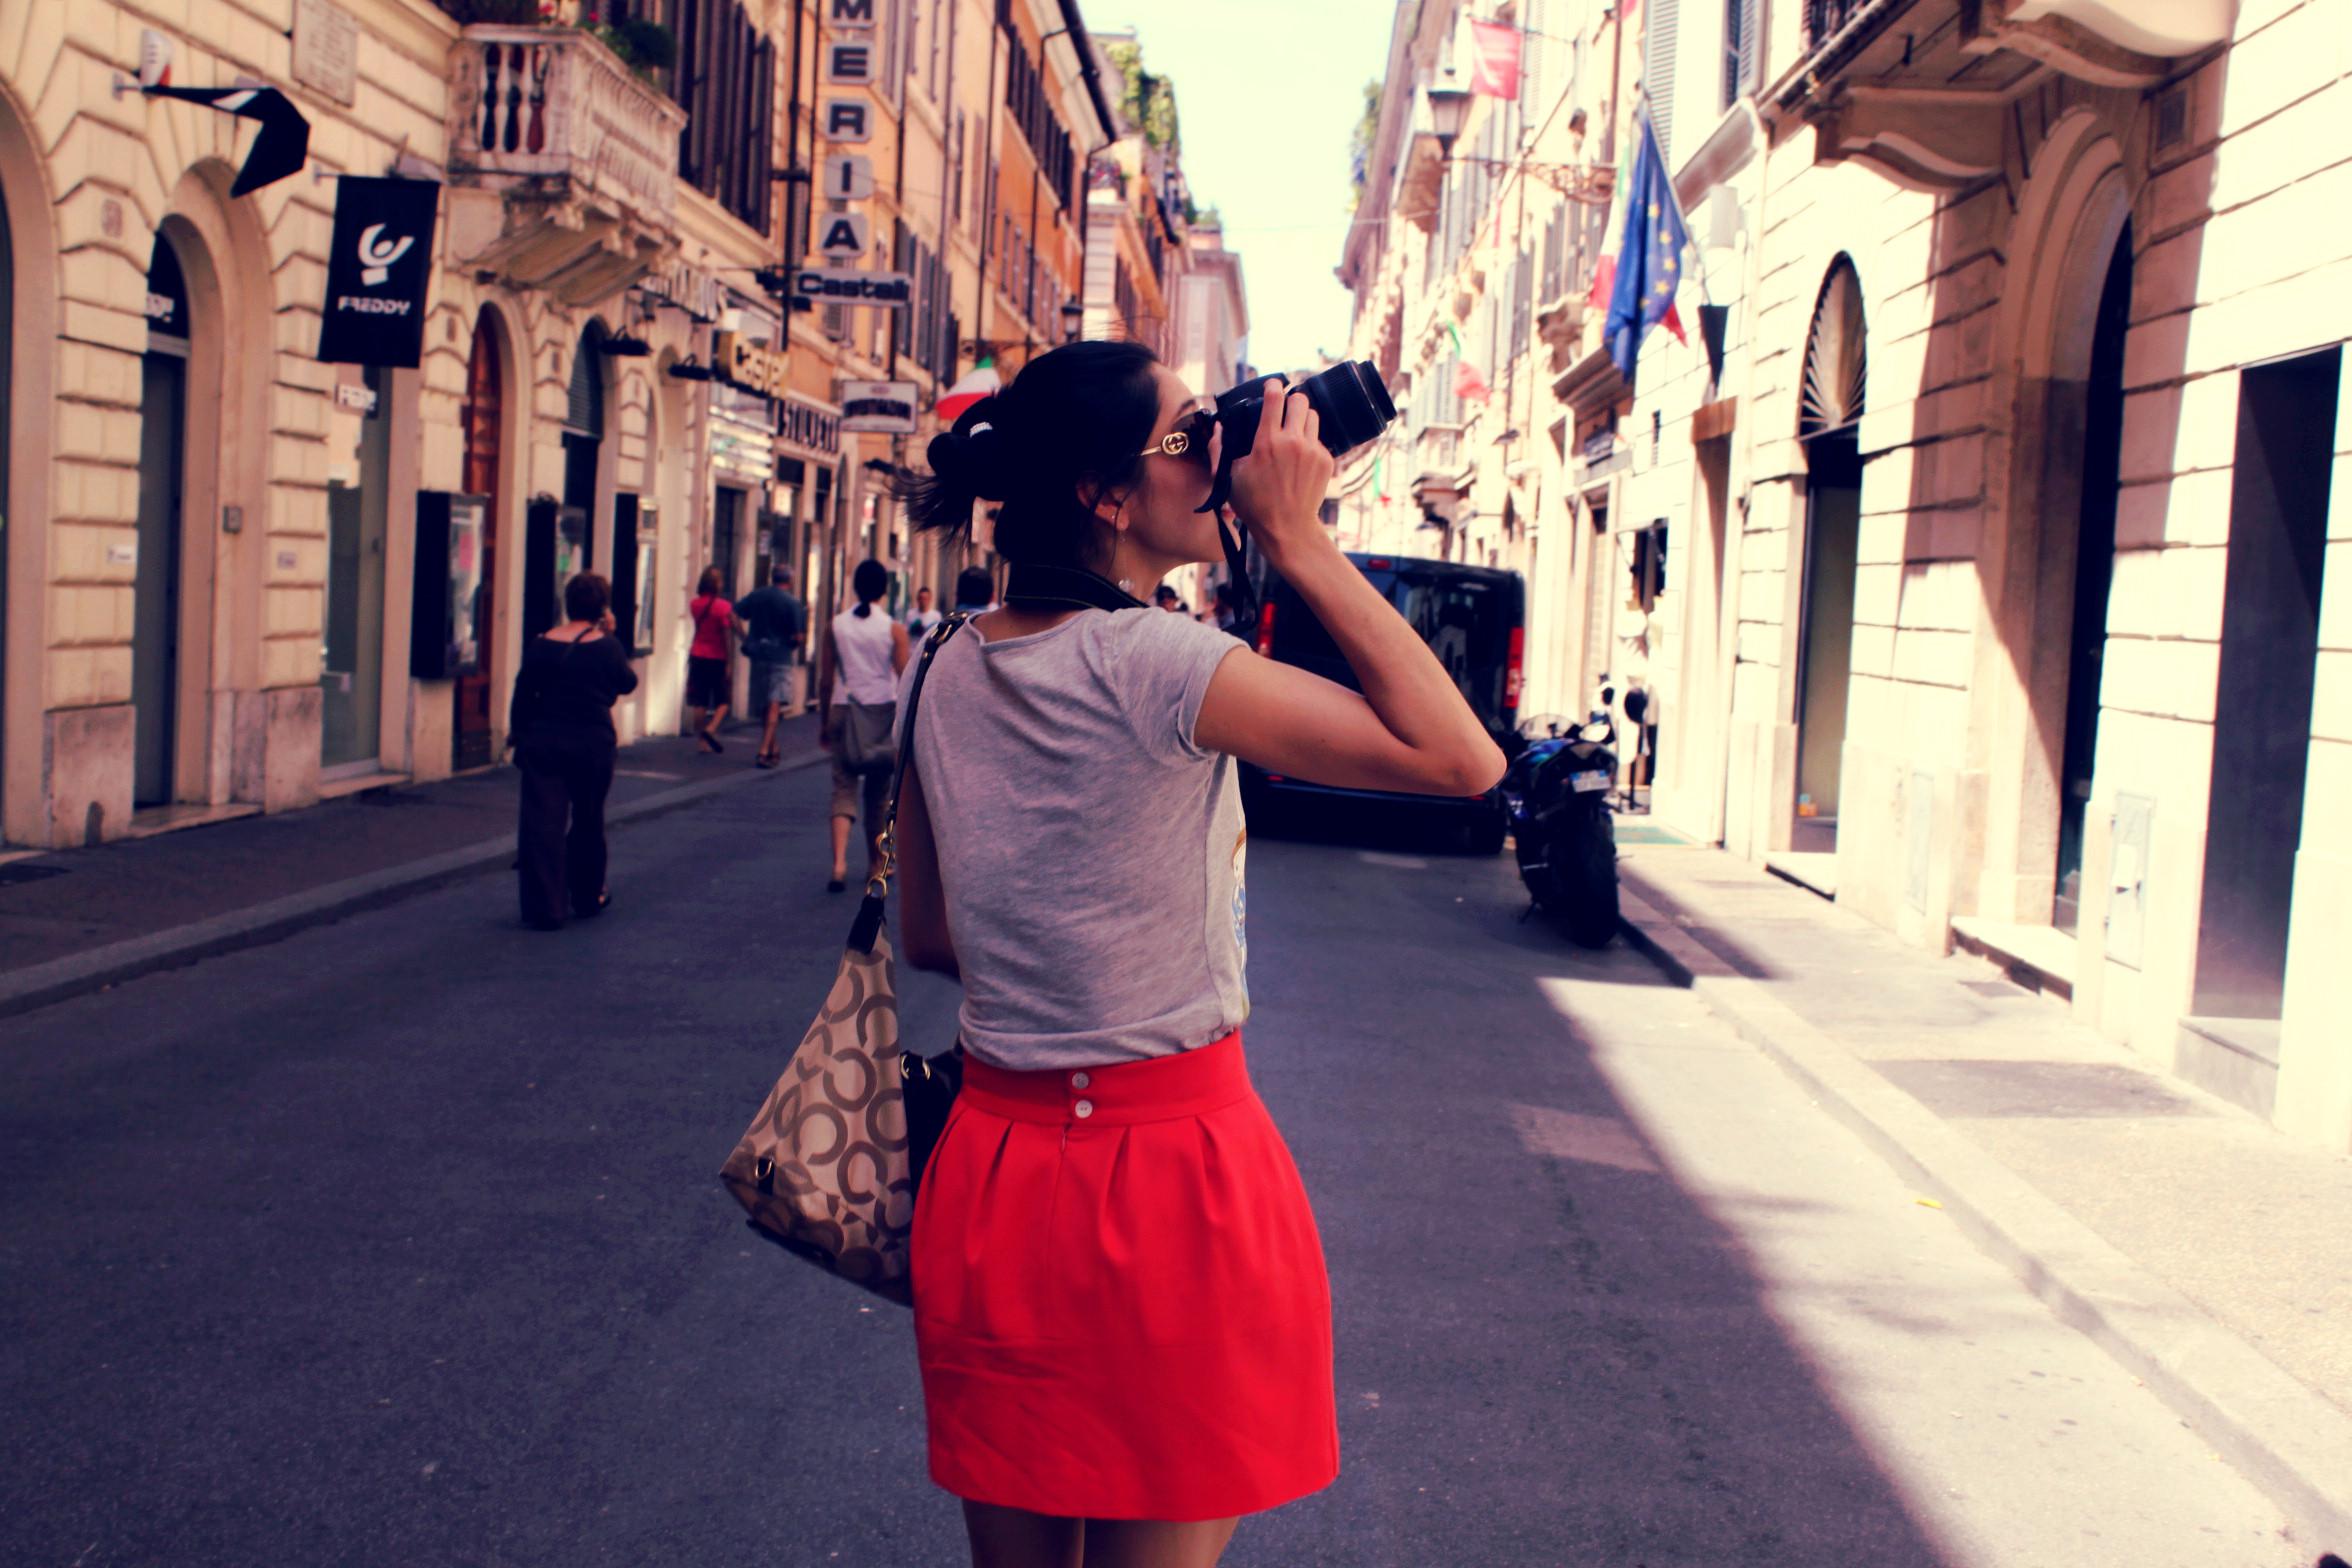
750	366
850	286
378	264
884	406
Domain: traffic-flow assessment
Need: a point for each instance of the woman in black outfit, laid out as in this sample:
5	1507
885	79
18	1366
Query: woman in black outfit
562	731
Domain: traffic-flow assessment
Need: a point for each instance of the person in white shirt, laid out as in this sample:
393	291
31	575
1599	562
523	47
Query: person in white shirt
857	692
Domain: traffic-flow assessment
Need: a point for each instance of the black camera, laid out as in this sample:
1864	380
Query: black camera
1351	398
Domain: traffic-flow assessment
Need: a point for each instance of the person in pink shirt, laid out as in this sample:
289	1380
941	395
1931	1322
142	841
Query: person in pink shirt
706	660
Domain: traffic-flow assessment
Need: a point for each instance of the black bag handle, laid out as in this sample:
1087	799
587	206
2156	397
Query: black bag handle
869	918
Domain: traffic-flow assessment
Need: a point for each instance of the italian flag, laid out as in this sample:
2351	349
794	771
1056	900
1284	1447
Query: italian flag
978	382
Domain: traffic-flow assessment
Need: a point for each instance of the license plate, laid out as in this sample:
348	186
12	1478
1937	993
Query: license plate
1585	783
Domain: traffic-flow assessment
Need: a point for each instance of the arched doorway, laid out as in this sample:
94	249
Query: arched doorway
2094	572
1829	417
482	417
163	441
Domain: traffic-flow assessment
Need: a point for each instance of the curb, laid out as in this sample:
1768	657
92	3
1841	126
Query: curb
43	984
2292	1443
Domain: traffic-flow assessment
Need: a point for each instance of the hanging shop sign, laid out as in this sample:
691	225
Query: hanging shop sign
887	407
844	236
750	366
690	288
850	286
849	176
851	13
849	62
847	120
809	427
378	265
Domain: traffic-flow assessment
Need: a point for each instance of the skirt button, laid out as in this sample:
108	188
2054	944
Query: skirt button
1083	1109
1079	1080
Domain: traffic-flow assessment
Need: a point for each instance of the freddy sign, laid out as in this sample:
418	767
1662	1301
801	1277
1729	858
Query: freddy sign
377	267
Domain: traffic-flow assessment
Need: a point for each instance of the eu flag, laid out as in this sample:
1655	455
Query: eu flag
1649	253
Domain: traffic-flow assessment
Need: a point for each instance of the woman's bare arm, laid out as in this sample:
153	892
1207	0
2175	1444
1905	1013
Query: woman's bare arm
1410	729
922	901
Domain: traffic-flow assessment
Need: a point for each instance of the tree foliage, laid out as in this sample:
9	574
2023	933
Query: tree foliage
1148	102
1360	143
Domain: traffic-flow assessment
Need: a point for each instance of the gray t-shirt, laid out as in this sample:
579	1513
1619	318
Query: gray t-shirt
1090	852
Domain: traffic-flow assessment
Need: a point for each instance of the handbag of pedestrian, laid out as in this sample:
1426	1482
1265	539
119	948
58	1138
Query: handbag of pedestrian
828	1168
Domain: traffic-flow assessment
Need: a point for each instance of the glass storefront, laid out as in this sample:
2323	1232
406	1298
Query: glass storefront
351	663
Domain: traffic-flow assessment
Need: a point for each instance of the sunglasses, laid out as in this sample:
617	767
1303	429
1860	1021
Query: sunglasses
1190	438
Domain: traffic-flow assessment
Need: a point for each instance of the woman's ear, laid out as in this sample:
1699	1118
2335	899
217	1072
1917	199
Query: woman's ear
1104	502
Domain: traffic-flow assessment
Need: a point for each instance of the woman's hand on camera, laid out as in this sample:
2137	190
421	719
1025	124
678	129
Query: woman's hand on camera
1279	488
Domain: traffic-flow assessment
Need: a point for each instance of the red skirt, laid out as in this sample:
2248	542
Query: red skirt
1120	1301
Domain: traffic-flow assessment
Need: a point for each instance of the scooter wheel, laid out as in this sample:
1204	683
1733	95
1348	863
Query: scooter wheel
1589	913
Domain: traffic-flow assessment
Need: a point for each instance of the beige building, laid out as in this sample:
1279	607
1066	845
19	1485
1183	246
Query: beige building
213	541
1985	549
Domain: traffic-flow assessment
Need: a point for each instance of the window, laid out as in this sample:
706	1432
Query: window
1026	95
1739	49
1658	58
725	78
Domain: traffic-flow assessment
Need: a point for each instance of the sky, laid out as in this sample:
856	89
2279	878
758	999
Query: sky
1267	94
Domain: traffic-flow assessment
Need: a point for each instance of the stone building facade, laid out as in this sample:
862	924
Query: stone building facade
1985	550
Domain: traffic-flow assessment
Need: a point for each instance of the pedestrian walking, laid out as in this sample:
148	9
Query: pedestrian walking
1121	1310
923	616
560	726
772	621
706	659
975	591
1227	616
1167	598
857	693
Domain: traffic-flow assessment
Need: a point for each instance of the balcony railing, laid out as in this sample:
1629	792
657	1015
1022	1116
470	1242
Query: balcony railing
552	102
584	154
1823	18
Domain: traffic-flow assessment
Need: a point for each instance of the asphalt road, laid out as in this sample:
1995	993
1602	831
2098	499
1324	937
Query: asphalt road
399	1242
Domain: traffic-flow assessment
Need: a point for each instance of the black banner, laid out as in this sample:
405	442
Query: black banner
377	270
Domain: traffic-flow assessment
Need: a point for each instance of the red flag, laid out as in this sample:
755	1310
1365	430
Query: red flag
1469	385
1495	59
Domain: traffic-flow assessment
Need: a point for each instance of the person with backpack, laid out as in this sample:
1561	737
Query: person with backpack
857	694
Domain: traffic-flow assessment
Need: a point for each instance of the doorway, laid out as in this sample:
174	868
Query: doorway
2094	573
2263	701
1829	417
726	536
163	436
483	419
351	664
7	381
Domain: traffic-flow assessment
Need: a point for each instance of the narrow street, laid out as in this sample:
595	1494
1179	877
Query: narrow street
399	1242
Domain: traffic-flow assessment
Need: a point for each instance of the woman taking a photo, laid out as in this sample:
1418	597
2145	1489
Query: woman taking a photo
1120	1302
561	729
857	692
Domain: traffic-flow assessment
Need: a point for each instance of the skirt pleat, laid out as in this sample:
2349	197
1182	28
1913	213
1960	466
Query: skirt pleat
1120	1299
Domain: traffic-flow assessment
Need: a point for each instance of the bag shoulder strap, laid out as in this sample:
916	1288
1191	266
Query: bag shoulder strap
869	918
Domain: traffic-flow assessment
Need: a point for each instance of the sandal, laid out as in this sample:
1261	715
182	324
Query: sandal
712	741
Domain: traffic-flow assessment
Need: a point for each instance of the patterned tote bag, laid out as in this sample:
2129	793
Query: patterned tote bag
828	1167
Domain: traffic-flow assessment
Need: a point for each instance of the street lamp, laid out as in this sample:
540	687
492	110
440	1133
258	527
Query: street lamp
1448	107
1073	320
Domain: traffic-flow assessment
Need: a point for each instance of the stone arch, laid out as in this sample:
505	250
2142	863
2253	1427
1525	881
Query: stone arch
31	369
2071	218
1833	378
270	754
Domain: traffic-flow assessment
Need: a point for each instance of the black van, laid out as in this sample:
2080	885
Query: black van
1473	617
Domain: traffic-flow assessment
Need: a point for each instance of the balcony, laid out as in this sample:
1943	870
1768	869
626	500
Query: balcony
581	156
1922	102
1440	480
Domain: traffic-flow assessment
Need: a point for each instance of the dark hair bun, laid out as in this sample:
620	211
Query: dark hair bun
972	456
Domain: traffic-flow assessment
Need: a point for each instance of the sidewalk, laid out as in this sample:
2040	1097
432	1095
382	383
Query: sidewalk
2207	1253
77	919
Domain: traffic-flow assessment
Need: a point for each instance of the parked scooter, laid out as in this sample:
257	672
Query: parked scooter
1561	825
